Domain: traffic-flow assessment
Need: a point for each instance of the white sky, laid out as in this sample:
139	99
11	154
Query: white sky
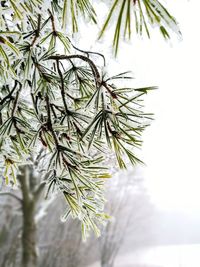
172	144
171	147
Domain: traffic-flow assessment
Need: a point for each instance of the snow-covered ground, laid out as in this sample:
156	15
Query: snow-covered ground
161	256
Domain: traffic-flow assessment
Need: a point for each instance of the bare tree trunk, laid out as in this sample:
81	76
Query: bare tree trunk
106	265
29	257
29	254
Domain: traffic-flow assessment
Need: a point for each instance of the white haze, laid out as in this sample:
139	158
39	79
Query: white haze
171	148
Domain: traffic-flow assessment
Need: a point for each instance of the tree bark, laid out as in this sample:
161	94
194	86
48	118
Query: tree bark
106	265
29	256
29	253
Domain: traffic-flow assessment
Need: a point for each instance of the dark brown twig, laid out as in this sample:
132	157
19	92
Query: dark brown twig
62	86
9	95
49	123
89	52
92	65
53	23
37	31
15	104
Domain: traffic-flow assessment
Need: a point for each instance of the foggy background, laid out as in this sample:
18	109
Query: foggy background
155	209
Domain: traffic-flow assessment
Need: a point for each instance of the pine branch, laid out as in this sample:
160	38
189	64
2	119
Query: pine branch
62	86
9	96
49	122
92	65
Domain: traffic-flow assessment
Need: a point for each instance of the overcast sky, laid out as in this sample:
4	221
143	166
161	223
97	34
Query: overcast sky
172	144
171	147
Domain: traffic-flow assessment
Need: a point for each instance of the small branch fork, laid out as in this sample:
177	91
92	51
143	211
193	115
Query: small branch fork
9	96
62	85
89	52
49	122
11	195
15	104
37	31
93	67
95	71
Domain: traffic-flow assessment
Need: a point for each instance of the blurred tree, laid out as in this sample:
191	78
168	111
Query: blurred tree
129	228
31	184
59	97
10	227
131	210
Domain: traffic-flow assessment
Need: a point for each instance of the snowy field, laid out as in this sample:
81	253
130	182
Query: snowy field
162	256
